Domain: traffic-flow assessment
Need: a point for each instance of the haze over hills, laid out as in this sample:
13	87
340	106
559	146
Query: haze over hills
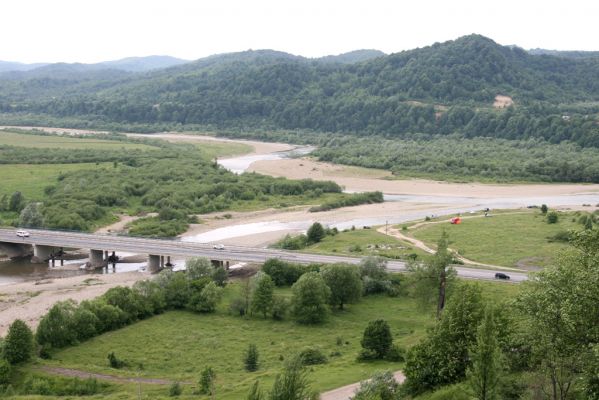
444	88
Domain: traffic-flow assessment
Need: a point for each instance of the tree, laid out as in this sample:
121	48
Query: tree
56	327
544	209
310	299
377	338
552	217
292	384
176	288
31	216
485	370
432	279
374	274
151	295
206	300
5	372
250	359
18	344
16	202
84	323
344	282
220	276
442	357
562	310
382	386
262	295
127	300
198	267
316	233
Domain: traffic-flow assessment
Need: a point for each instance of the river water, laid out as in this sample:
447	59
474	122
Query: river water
19	270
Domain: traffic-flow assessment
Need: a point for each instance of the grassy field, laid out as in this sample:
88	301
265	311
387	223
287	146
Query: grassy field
178	345
506	239
63	142
365	242
31	179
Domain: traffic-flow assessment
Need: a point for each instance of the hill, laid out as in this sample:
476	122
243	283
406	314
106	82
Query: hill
444	88
352	57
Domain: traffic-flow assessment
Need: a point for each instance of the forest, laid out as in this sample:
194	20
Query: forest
446	88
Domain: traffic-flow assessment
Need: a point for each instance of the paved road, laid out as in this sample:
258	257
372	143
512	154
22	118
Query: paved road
178	249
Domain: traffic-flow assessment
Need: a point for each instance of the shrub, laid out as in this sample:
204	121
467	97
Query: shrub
5	371
250	360
115	362
206	300
175	389
315	233
561	236
127	300
56	327
280	305
207	381
396	354
262	295
312	356
552	217
381	386
58	386
377	338
544	209
18	344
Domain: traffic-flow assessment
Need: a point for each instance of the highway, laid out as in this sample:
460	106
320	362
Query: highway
178	249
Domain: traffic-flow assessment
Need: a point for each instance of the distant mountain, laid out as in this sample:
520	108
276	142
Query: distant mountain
141	64
352	57
576	54
444	88
17	66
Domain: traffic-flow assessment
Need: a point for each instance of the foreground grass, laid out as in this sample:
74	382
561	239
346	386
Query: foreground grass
177	345
366	242
511	240
10	138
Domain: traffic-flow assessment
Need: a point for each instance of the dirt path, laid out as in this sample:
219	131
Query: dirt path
348	391
422	246
84	375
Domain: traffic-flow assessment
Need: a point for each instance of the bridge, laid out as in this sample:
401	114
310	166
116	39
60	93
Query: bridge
47	242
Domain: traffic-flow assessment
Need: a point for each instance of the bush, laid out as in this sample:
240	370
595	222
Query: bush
396	354
206	300
293	242
58	386
367	355
207	381
115	362
544	209
127	300
56	327
552	217
5	371
312	356
316	233
561	236
284	273
250	360
280	305
382	386
377	338
175	389
18	344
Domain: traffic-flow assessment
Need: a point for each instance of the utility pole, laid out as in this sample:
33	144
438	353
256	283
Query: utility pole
386	227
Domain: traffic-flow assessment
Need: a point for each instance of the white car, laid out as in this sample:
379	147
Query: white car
22	234
219	247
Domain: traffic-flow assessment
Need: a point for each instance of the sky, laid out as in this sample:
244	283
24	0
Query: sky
99	30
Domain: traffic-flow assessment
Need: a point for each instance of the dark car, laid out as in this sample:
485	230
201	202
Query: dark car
501	275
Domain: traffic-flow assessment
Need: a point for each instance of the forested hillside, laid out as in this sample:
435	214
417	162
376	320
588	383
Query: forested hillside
441	89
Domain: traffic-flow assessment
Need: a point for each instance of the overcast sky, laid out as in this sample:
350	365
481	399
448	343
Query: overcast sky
99	30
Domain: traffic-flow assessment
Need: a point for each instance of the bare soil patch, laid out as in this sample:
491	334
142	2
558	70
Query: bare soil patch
502	101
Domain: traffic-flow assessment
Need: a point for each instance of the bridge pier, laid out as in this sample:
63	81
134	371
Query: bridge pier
154	263
41	253
96	258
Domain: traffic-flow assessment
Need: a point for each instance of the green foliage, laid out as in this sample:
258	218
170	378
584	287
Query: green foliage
127	300
442	357
377	338
315	233
18	343
284	273
157	228
289	242
175	389
375	277
206	300
485	370
207	381
84	323
56	327
198	267
250	359
262	294
5	371
396	353
382	386
255	392
116	362
31	216
344	282
312	356
544	209
552	217
310	299
16	202
292	383
58	386
220	276
353	199
280	306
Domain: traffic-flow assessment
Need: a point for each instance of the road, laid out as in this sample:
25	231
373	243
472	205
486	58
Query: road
178	249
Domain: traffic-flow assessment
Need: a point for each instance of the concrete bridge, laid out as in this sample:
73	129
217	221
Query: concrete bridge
45	242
